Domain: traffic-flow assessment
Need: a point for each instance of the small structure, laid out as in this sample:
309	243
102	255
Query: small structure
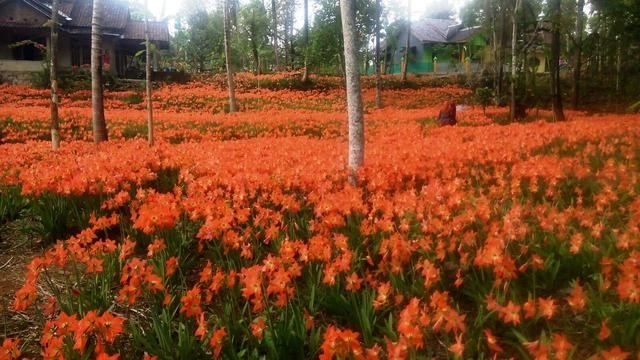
436	46
24	33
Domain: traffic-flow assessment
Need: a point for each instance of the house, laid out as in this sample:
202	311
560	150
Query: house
436	46
24	34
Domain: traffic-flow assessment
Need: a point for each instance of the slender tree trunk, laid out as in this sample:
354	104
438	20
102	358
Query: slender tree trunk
575	91
354	95
556	94
97	100
53	77
377	60
256	56
149	84
618	65
274	14
514	60
305	74
502	52
407	49
494	48
287	46
227	55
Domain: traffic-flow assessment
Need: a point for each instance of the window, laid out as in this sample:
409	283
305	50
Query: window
80	53
27	49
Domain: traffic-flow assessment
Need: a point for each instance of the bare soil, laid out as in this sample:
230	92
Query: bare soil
17	249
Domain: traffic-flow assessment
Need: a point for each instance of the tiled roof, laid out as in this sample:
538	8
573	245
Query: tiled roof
465	34
158	31
115	14
432	30
77	16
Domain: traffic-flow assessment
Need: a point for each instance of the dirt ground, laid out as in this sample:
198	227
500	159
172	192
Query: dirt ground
17	248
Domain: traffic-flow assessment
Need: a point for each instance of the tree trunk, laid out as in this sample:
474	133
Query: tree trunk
556	94
97	100
274	14
354	95
494	48
149	84
377	60
227	56
305	74
501	52
256	56
575	91
513	114
53	77
287	46
407	49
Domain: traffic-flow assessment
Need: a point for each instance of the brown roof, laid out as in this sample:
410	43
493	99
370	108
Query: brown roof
158	31
432	30
115	14
76	16
465	34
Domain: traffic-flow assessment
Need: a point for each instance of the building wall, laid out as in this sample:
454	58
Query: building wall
64	52
439	58
18	71
15	13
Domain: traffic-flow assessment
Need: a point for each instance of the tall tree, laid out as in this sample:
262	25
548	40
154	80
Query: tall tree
53	77
274	16
255	27
514	60
556	94
354	95
407	48
97	101
288	10
305	31
227	54
377	60
148	82
577	64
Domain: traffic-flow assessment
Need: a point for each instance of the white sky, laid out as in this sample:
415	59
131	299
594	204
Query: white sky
397	7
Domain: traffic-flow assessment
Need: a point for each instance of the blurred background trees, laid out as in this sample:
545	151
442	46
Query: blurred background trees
597	53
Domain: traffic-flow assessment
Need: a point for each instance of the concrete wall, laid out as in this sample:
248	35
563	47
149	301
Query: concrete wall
20	65
18	71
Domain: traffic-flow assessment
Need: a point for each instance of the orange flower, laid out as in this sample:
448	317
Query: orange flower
457	348
201	331
577	300
614	353
561	346
605	332
257	328
10	349
510	313
216	341
547	307
492	341
109	326
353	282
341	344
191	302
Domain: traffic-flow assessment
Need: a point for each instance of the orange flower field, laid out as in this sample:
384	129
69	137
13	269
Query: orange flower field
238	236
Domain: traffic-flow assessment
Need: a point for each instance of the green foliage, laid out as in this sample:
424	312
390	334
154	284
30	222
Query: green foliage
483	97
12	203
326	48
57	216
133	99
254	27
167	335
